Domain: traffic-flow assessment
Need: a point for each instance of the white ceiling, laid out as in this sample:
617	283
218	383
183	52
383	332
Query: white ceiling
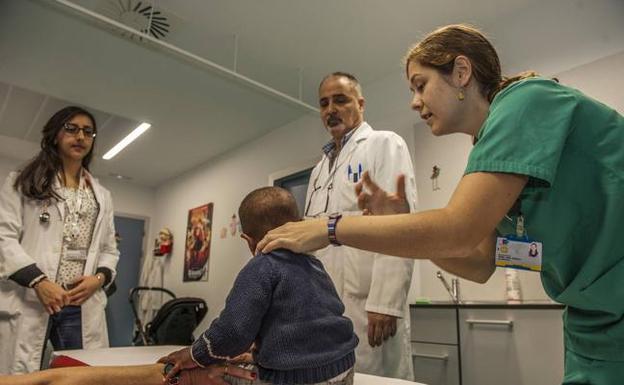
198	114
23	113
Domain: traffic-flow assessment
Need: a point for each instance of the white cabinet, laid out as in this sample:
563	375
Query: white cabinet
478	344
435	351
434	324
512	346
435	363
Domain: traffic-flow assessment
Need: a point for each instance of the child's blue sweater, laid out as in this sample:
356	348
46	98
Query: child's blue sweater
287	304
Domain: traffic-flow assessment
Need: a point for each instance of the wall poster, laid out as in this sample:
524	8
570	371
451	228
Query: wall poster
198	237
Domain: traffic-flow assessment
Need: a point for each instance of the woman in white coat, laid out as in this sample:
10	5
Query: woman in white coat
57	248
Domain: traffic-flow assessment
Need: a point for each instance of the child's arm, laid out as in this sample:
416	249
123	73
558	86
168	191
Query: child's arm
239	323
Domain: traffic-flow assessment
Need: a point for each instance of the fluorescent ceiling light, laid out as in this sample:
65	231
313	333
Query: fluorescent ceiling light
119	176
127	140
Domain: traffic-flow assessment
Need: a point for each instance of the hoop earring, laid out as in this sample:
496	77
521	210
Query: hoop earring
460	94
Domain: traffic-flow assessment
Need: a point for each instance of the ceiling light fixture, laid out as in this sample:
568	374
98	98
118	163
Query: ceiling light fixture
127	140
119	176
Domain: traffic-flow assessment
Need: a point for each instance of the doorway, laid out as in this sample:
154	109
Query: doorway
119	316
297	184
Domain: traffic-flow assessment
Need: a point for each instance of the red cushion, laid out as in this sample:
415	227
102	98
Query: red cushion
65	361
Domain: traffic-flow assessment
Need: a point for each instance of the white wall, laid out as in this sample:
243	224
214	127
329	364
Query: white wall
133	201
225	181
601	79
6	166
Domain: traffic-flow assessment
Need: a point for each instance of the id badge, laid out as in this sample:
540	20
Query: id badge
76	254
518	253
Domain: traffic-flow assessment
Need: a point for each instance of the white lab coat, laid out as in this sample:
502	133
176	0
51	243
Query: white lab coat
24	241
365	281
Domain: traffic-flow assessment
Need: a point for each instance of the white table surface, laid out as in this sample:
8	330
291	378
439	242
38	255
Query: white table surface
131	355
142	355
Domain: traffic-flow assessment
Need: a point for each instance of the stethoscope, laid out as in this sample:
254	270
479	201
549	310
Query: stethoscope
329	184
315	188
44	216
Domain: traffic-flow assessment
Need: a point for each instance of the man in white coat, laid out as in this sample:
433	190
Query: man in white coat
372	286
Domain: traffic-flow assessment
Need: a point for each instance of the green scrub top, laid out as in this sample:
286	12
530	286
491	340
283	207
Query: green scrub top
572	149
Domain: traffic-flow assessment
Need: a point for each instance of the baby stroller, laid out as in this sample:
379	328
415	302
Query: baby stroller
174	322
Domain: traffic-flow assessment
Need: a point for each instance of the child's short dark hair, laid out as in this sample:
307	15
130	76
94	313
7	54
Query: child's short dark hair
266	208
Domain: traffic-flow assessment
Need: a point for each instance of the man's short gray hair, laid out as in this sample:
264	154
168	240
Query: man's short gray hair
346	75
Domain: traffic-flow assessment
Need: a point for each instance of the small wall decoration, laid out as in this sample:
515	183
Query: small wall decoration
164	243
234	225
435	173
197	249
223	234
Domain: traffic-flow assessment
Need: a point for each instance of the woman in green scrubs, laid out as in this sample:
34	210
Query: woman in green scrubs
546	155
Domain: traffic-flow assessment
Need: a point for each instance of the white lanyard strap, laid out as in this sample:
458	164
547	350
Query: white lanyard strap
74	206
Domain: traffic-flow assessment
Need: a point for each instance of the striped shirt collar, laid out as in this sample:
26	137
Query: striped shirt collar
329	149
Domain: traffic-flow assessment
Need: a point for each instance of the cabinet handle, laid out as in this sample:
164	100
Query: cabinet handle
473	322
443	357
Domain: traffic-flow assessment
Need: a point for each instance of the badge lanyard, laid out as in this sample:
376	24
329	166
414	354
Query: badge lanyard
518	250
520	229
71	227
74	206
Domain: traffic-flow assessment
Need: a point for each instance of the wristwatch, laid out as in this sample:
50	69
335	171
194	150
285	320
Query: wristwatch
331	228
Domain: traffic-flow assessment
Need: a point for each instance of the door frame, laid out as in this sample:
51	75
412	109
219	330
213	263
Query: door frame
299	167
146	232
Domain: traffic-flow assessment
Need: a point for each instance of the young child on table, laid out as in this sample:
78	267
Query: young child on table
283	302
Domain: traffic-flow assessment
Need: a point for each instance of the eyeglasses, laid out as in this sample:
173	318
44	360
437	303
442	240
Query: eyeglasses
72	129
